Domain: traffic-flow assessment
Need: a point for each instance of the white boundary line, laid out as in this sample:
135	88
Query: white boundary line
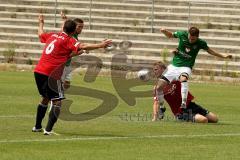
17	116
120	138
33	116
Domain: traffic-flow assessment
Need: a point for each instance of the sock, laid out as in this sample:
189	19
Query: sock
41	111
53	116
161	99
184	91
161	108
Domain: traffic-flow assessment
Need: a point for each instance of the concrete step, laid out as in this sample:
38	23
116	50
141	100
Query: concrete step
195	8
175	2
159	53
7	19
106	56
125	13
122	36
34	49
157	37
161	41
137	45
151	46
209	3
129	28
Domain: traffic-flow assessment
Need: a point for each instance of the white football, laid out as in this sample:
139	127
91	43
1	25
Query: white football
144	74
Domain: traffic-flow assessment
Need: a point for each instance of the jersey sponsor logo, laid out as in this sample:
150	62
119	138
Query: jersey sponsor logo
170	90
185	55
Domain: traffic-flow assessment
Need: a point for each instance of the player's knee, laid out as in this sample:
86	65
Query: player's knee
57	102
45	101
200	119
184	77
212	118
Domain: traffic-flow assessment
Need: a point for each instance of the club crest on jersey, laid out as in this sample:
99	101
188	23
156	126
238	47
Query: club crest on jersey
187	50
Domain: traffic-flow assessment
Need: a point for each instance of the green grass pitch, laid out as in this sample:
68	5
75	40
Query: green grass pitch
111	136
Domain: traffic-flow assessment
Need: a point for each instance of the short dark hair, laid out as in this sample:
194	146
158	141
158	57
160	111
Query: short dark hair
69	26
160	64
194	31
78	20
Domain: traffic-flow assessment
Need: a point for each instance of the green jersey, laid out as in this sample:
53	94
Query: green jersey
70	60
187	51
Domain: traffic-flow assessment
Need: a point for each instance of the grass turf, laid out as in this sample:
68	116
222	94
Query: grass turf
120	134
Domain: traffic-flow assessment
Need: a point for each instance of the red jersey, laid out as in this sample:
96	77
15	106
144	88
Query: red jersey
56	52
172	94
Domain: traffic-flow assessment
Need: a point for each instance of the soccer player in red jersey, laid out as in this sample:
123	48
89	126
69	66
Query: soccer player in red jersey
172	94
59	47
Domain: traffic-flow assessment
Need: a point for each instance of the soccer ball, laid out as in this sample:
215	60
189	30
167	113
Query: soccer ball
144	74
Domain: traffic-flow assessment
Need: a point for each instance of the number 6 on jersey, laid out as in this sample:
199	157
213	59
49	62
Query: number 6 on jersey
50	47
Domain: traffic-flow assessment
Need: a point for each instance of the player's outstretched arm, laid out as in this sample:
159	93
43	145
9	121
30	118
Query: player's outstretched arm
89	46
64	18
86	47
214	53
167	33
41	24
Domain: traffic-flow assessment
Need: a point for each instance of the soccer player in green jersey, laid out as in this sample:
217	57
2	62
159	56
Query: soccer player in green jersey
66	77
184	59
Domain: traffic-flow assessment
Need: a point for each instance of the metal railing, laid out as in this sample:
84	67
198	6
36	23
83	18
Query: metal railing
152	10
90	14
152	16
191	3
55	14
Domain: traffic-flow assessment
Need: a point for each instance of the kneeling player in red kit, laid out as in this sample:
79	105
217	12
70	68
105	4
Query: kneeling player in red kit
172	94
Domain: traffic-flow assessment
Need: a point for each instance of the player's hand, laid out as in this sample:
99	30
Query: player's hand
63	15
228	56
174	52
105	43
162	30
41	18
